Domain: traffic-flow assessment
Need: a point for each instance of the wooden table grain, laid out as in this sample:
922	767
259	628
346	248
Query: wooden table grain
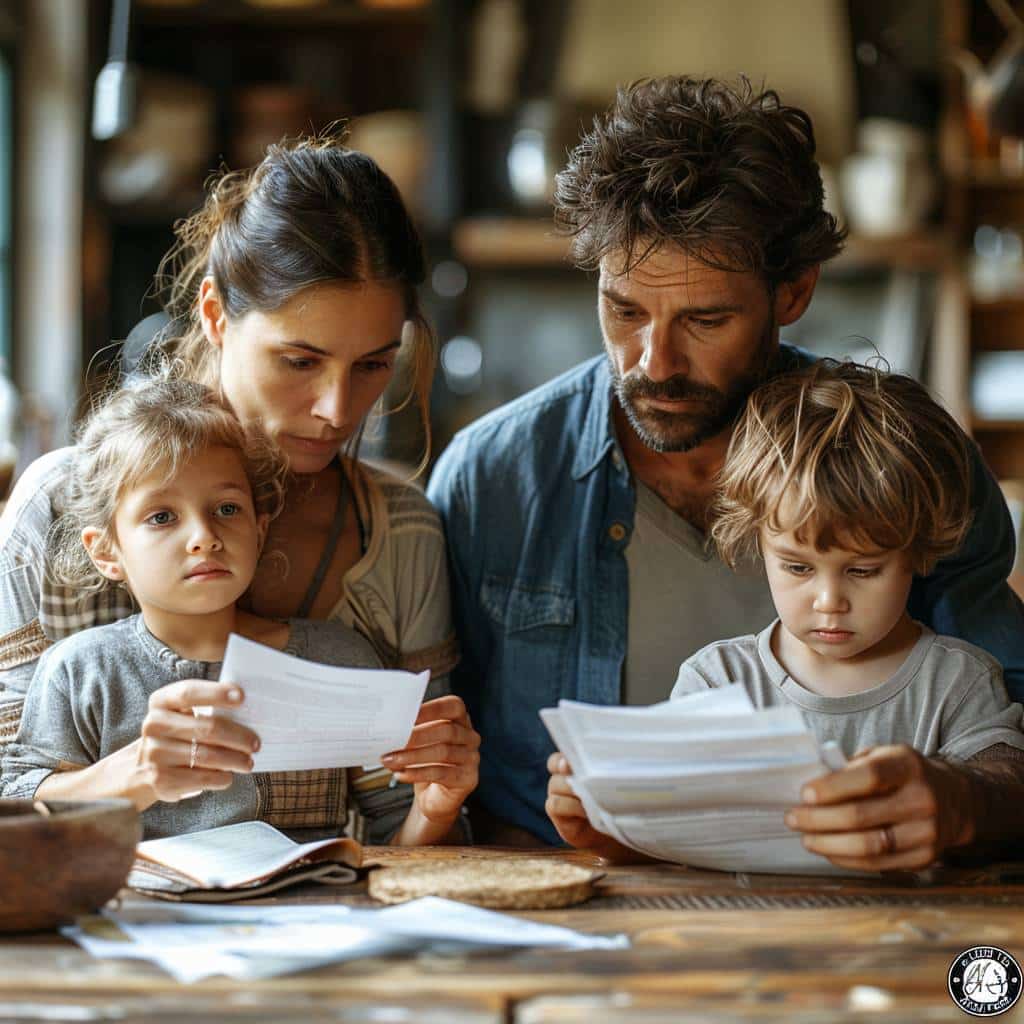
706	946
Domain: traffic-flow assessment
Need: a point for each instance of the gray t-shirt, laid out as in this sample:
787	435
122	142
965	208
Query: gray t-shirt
947	698
91	692
681	597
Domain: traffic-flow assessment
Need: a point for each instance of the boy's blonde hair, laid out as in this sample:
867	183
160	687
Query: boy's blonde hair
847	456
153	426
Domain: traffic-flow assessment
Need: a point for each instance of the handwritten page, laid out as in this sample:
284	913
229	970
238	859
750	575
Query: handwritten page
309	715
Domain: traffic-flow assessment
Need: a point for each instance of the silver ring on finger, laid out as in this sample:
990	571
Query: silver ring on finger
193	753
888	840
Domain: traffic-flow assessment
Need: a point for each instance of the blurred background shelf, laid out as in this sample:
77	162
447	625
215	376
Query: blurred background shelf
521	241
982	425
509	242
925	250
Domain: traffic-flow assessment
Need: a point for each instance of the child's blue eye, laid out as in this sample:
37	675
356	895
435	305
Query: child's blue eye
864	572
161	518
228	508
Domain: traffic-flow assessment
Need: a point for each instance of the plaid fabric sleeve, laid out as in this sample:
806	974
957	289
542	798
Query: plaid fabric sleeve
64	611
310	799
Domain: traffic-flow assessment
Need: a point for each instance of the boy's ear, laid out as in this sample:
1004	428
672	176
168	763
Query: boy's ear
211	313
106	561
793	297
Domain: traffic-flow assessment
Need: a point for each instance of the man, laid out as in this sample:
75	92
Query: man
575	515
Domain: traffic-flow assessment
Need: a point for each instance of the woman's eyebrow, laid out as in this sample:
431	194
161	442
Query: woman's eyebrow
391	345
305	346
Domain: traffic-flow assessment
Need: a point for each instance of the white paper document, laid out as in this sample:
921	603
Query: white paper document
703	780
309	715
235	855
193	942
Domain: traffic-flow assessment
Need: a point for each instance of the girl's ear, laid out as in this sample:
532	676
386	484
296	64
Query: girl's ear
262	523
106	561
211	313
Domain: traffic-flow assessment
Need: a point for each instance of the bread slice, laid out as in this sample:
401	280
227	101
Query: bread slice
501	883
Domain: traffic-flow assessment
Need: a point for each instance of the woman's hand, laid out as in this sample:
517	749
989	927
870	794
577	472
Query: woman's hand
442	761
889	809
161	763
566	812
180	754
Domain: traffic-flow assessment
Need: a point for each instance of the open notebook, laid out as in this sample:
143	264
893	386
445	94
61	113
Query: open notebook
703	780
238	861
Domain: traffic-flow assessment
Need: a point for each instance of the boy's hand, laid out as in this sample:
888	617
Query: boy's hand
889	809
570	819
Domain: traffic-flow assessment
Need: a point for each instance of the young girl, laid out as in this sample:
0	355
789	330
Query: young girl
847	482
170	498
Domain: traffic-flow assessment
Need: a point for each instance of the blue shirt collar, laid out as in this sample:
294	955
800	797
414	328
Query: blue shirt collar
597	437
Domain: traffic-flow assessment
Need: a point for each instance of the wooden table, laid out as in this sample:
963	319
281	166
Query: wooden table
706	946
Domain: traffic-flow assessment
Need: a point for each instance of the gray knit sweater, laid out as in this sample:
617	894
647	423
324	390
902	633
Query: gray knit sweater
91	692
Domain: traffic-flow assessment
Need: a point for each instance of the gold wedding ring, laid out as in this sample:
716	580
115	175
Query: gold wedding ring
193	753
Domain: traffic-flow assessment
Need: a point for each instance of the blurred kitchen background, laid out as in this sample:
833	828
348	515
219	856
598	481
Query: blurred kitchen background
471	106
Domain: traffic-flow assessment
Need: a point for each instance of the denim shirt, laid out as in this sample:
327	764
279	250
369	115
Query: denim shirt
538	505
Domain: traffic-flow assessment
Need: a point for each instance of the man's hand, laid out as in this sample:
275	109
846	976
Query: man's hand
889	809
570	819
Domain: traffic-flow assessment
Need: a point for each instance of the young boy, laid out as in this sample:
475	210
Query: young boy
847	482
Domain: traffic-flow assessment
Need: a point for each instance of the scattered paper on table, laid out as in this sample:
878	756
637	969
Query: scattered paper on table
192	941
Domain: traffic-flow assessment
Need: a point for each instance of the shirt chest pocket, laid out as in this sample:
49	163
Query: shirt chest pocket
534	640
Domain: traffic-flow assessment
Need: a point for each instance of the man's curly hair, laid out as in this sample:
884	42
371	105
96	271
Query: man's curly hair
725	173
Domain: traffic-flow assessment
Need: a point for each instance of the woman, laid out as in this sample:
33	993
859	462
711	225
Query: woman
296	285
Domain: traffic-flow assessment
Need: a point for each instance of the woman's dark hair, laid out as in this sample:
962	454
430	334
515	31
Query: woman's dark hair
313	211
723	172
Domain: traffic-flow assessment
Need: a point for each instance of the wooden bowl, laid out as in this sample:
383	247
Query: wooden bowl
59	859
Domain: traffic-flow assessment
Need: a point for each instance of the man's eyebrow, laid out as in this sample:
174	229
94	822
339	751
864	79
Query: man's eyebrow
305	346
712	310
611	293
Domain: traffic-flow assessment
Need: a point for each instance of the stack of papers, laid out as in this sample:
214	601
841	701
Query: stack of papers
703	780
309	715
193	942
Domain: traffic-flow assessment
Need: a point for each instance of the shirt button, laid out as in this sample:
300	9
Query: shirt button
617	532
616	458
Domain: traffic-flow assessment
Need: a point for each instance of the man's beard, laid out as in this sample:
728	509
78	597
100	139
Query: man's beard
715	410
